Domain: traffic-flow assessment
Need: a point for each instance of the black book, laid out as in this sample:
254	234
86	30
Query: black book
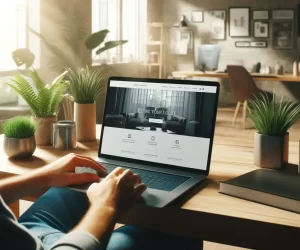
269	187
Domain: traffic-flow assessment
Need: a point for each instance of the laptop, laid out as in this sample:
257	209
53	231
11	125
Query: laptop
162	130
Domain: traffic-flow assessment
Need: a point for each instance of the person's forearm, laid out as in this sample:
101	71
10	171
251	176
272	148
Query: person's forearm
14	188
98	221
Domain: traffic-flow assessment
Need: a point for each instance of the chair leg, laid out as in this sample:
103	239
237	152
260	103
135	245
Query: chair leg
245	113
236	113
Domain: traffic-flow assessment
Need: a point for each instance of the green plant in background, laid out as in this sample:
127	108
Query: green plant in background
19	127
86	85
273	117
42	99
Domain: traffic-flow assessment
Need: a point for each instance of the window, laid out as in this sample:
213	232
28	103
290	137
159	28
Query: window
15	15
126	20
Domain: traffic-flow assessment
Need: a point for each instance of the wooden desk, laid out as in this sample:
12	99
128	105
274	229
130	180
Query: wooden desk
203	213
256	76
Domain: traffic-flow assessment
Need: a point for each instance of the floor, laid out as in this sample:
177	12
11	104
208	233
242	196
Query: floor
224	128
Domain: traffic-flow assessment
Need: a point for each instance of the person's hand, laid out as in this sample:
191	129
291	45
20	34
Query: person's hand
61	173
119	191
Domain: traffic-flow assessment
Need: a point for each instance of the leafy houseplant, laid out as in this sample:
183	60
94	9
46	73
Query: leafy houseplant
272	119
86	86
43	101
19	140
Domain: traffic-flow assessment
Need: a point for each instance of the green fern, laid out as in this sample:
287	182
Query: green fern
42	99
86	85
273	117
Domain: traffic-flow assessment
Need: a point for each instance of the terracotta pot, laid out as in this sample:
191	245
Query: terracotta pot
85	118
43	135
271	151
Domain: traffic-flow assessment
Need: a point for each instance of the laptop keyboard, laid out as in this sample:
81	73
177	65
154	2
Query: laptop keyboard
155	180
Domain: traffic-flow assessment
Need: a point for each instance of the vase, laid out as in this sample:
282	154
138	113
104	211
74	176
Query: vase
295	69
271	151
85	118
19	148
43	135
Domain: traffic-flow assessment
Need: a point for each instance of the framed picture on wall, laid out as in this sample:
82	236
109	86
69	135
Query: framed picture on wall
282	14
218	24
261	29
242	44
198	16
283	34
239	22
260	14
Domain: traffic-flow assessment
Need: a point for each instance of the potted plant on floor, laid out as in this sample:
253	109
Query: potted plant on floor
86	86
272	119
19	140
43	101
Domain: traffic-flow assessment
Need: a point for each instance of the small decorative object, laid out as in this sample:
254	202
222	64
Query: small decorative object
278	69
198	16
64	135
86	86
261	29
282	14
260	14
258	67
183	22
259	44
295	69
218	24
239	22
19	140
43	101
283	34
242	44
265	70
272	119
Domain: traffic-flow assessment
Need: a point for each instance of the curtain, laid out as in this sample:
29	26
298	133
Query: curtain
137	99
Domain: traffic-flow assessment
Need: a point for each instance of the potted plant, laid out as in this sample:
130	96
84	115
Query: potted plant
43	101
19	140
272	119
86	86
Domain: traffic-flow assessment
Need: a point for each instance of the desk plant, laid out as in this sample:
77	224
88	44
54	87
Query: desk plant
19	140
272	119
43	101
86	86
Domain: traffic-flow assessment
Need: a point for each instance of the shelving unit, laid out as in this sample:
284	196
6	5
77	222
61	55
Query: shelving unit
155	44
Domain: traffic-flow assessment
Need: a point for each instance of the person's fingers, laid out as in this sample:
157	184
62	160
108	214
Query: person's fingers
139	190
88	162
136	179
117	171
72	179
127	177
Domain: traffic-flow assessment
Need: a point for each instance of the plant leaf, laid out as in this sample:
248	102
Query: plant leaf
23	56
110	45
96	39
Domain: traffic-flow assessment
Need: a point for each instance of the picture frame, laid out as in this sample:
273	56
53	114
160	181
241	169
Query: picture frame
259	44
283	14
261	29
218	19
242	44
188	36
239	22
260	15
198	16
283	34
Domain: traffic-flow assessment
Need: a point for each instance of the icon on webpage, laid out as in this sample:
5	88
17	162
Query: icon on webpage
129	135
177	141
153	138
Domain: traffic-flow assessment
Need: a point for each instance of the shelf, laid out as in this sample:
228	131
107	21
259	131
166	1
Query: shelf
158	25
152	64
155	43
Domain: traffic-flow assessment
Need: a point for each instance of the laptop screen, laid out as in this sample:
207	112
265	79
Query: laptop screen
160	122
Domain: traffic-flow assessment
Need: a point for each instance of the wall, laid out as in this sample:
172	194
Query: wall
173	9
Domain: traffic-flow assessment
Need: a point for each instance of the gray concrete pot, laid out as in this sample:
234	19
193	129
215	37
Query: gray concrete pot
271	151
